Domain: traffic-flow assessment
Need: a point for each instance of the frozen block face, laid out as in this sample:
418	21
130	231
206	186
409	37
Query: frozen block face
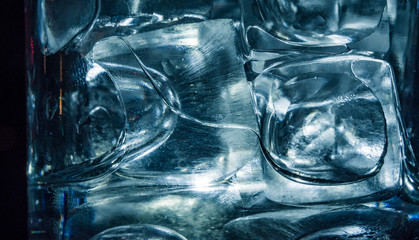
78	122
202	108
356	222
137	232
328	126
313	22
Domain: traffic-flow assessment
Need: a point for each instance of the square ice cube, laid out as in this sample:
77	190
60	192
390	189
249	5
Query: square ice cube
187	101
330	129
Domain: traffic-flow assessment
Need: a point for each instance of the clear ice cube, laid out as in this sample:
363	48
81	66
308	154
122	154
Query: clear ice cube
330	129
321	127
196	71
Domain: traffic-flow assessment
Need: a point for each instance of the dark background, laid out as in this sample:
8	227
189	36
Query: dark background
13	122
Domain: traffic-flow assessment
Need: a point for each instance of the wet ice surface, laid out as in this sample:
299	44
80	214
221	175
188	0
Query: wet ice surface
360	111
356	222
138	232
200	100
323	127
315	22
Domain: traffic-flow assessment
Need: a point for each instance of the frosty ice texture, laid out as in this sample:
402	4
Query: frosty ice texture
85	21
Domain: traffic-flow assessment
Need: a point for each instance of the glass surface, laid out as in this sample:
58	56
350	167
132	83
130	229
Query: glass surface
221	119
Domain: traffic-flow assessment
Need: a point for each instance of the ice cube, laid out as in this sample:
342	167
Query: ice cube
322	127
197	72
328	121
